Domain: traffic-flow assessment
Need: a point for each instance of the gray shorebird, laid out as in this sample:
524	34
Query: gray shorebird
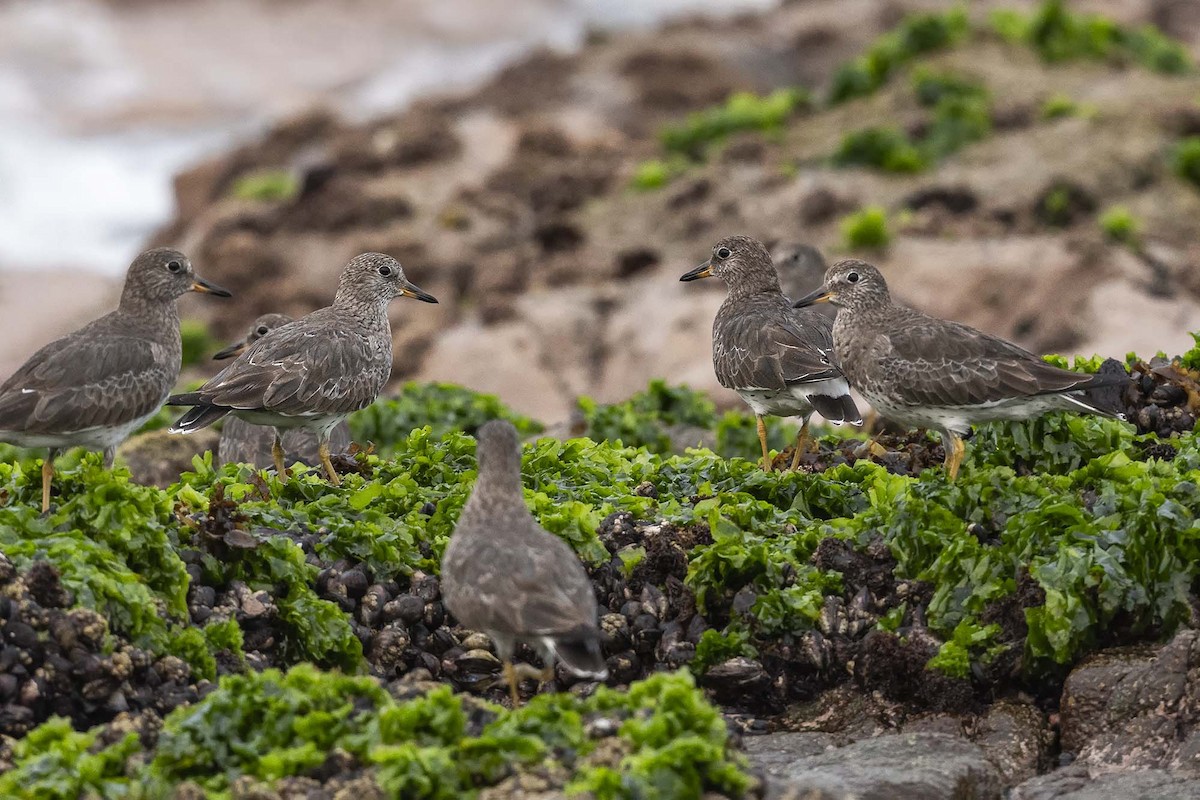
95	386
244	443
800	267
925	372
779	360
316	371
504	575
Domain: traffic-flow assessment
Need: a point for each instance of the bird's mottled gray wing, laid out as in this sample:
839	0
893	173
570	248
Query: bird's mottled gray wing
773	351
82	381
301	370
940	363
523	591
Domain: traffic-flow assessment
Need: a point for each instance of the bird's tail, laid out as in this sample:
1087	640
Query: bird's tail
1102	393
837	409
579	651
185	399
198	417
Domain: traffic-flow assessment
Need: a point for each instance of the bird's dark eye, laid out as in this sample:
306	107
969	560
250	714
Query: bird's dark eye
723	253
174	266
385	270
262	330
852	277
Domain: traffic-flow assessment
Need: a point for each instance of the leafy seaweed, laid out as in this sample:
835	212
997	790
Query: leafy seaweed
54	762
916	35
1058	34
743	111
271	725
444	407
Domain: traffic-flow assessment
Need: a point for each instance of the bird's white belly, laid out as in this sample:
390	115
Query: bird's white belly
97	438
960	418
791	401
316	422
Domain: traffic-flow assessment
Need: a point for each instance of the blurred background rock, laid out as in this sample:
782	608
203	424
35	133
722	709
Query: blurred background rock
533	164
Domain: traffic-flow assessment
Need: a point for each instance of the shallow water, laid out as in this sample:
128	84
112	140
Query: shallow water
102	101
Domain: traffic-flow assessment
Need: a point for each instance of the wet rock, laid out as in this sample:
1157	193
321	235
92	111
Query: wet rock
1136	709
1075	783
1016	739
926	766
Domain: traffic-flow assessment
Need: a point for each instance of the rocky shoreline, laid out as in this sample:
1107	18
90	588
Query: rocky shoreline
858	628
854	687
518	204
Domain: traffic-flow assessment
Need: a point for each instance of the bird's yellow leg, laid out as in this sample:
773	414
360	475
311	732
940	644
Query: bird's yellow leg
323	450
762	439
955	449
277	454
801	444
510	675
47	477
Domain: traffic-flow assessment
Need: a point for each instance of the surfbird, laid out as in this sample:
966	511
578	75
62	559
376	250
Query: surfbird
245	443
504	575
925	372
95	386
778	360
316	371
800	267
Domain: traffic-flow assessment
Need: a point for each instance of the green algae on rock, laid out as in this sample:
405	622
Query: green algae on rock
659	739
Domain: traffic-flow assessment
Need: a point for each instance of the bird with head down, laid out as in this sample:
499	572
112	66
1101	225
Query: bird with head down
503	574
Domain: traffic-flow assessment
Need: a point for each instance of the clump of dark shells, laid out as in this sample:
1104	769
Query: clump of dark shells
56	660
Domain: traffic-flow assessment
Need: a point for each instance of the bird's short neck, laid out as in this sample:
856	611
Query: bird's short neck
502	480
149	315
370	312
753	284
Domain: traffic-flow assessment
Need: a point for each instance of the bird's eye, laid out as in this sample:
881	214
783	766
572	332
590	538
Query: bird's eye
262	330
852	277
174	266
385	270
723	253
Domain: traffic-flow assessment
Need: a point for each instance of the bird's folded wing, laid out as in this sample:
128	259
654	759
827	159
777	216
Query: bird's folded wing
948	364
545	590
772	354
295	371
82	382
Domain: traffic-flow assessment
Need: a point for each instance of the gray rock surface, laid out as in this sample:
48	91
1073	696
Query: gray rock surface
1136	710
916	766
1074	783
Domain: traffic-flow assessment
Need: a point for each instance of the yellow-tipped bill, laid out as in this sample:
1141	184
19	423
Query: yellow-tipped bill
208	287
821	295
702	271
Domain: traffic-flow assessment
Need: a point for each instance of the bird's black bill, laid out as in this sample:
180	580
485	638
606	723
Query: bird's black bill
231	351
702	271
208	287
415	292
819	296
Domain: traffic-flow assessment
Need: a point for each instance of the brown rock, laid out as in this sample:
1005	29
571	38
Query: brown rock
1136	709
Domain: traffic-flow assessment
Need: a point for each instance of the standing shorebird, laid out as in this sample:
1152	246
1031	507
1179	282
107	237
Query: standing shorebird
95	386
316	371
777	359
800	267
925	372
504	575
244	443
